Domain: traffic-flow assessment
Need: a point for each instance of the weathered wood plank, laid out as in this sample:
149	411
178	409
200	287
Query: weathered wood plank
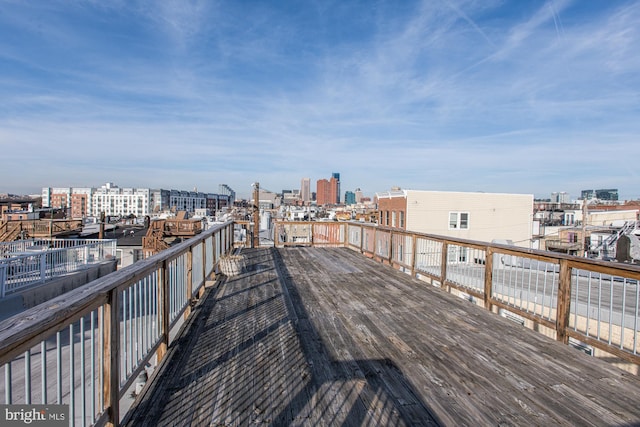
310	336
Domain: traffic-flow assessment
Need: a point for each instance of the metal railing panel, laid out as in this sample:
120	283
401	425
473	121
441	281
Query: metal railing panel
354	236
465	267
402	249
178	287
293	233
606	308
197	272
368	240
328	234
383	243
26	269
527	285
210	254
64	368
428	256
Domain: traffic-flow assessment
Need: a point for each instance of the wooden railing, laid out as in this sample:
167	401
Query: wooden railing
595	303
89	346
37	228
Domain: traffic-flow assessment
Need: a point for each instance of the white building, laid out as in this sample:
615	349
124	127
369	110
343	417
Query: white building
475	216
114	201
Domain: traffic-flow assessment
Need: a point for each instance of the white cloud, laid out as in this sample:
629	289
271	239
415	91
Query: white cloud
459	95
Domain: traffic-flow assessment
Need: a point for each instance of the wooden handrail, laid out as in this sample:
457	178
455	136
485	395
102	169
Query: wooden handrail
567	267
20	333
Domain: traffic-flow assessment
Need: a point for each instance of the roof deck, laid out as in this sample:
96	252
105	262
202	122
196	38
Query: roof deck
326	336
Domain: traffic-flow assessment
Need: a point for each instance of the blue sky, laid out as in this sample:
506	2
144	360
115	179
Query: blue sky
452	95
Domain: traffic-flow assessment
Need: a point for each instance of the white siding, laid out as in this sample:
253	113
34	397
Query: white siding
491	215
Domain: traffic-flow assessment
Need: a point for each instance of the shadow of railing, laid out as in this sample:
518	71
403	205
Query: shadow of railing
379	391
255	357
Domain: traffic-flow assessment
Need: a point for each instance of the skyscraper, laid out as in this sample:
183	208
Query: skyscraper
335	187
323	192
349	198
305	190
328	191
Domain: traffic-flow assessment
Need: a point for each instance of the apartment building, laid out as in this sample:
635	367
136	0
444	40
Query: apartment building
475	216
113	200
80	202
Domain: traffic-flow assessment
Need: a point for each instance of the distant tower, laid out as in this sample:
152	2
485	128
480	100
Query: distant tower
349	198
323	192
305	190
335	187
561	197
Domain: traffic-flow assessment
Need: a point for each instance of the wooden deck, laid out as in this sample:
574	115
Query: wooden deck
312	336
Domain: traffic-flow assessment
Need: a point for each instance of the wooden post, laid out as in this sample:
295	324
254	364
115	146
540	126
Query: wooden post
488	279
564	302
311	231
375	243
414	261
111	367
443	266
391	248
205	274
164	309
101	229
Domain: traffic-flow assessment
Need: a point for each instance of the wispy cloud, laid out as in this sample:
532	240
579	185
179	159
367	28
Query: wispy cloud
452	95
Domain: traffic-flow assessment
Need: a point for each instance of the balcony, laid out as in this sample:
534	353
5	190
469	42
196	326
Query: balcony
347	324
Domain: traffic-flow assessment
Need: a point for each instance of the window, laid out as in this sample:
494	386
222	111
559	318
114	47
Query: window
458	220
393	218
401	219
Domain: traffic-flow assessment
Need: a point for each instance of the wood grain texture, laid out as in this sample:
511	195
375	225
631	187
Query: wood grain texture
326	336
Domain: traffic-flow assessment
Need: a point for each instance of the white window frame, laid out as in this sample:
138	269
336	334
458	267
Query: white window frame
455	221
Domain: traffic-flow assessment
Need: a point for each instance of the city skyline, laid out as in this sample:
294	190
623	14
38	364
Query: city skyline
512	97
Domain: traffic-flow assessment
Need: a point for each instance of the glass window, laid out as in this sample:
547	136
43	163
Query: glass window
464	220
453	220
458	220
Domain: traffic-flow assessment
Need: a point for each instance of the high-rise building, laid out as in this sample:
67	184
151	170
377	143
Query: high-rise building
305	190
610	194
328	191
561	197
349	198
607	194
335	187
358	195
323	194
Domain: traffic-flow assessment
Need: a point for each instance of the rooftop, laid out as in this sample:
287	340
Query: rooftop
326	336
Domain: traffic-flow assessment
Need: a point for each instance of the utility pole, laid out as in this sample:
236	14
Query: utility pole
583	246
256	215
